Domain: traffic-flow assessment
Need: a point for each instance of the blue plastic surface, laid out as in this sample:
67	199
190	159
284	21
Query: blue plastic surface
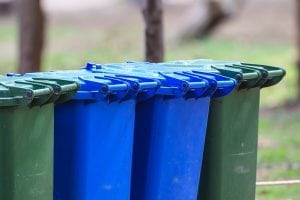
198	62
168	148
173	84
167	108
93	141
93	149
224	85
170	129
94	135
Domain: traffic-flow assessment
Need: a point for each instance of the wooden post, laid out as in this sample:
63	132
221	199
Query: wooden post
31	34
153	16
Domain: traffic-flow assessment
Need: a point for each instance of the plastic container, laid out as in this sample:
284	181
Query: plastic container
170	130
231	143
230	156
94	135
26	135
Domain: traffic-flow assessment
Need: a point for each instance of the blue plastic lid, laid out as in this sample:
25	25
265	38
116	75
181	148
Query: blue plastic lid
171	83
218	85
104	86
202	62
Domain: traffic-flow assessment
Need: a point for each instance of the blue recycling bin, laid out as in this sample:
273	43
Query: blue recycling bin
166	109
170	129
94	135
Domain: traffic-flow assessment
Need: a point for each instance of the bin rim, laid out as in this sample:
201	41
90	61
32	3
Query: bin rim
218	85
172	83
17	91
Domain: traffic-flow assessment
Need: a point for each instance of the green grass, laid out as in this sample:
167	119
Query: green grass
281	129
278	154
8	33
277	54
278	193
71	47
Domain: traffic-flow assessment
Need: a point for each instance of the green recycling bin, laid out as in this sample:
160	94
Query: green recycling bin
26	136
230	155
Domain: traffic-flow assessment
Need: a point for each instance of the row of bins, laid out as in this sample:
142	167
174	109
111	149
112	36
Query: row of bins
135	130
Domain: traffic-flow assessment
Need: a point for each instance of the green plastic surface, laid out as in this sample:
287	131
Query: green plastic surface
230	156
26	135
273	74
248	77
26	153
229	165
21	91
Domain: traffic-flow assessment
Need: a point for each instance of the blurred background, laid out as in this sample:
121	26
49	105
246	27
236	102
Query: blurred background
53	34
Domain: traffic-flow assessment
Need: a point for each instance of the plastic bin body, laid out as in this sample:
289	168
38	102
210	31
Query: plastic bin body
26	153
94	138
230	155
169	141
169	135
26	136
93	150
94	135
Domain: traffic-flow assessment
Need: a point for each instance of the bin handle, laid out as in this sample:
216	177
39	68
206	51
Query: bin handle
194	87
224	84
39	95
64	90
276	74
115	91
143	88
212	83
245	78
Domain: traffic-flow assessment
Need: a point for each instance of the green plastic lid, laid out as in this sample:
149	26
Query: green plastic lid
273	75
20	91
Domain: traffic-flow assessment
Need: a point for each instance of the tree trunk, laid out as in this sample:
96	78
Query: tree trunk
5	7
298	49
31	34
207	15
153	16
